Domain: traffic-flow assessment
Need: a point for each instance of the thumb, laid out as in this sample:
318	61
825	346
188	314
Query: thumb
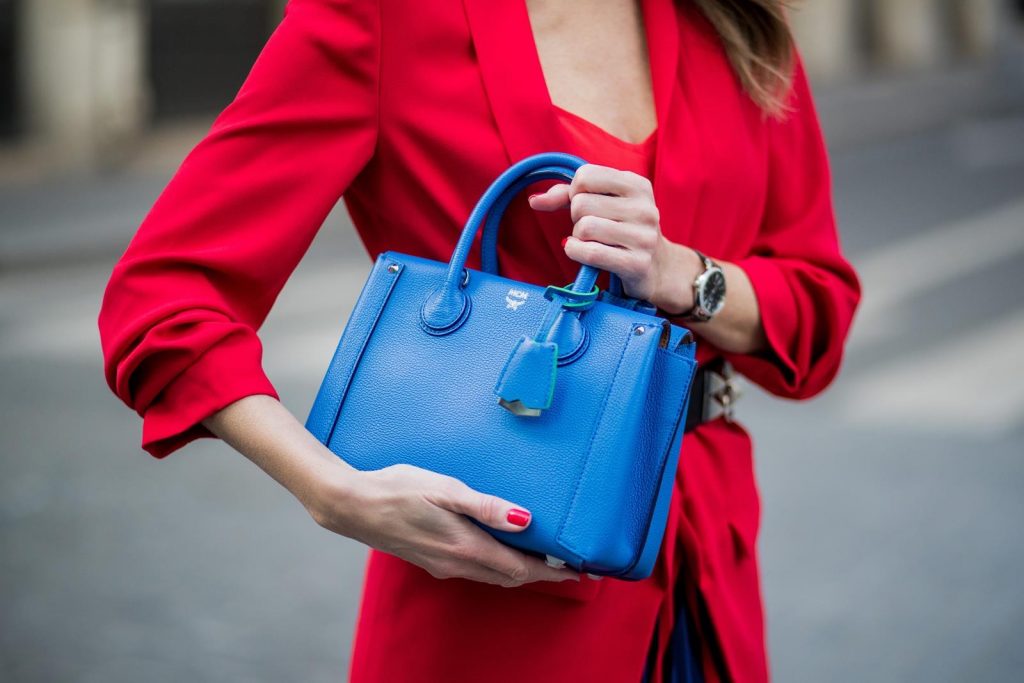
491	510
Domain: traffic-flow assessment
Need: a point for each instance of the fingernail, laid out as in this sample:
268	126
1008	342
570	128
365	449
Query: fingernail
564	240
518	517
594	576
534	195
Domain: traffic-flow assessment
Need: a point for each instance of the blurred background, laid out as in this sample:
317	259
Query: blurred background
891	540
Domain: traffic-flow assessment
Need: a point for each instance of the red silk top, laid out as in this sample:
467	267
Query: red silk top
408	110
598	146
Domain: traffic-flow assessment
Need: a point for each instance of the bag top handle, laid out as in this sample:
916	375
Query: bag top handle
446	307
489	238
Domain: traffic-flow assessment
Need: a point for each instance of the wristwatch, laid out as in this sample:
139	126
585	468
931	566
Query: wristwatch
708	292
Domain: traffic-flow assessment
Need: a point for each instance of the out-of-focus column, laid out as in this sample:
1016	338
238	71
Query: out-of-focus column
909	33
978	23
83	70
826	31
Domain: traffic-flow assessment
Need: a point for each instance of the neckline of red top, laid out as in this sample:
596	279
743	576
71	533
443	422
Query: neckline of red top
598	146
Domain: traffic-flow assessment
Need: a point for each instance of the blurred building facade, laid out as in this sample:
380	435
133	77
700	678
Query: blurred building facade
81	80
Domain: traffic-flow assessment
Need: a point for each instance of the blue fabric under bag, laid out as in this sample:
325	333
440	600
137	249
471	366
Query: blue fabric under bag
567	400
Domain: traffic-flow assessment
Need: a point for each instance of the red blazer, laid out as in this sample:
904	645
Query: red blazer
409	109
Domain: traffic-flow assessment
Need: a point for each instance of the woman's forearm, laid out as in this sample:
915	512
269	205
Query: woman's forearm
267	433
737	328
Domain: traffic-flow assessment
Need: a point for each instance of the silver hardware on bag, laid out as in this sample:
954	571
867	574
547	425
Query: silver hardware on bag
553	561
517	408
723	391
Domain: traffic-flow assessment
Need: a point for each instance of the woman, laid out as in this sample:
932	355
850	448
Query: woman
698	122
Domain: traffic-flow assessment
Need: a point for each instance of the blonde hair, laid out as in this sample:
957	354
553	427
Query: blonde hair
760	47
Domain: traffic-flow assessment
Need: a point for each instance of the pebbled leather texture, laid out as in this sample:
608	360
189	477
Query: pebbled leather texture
595	466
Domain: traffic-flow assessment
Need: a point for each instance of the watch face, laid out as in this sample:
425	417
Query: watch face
712	291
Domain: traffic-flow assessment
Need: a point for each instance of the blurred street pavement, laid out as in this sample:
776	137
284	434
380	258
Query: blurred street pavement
890	544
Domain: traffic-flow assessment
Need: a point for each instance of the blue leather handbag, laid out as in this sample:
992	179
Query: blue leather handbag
567	400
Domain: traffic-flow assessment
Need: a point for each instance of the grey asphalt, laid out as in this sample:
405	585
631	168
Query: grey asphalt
891	546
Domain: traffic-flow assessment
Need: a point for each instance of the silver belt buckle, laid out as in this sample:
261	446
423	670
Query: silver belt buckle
723	391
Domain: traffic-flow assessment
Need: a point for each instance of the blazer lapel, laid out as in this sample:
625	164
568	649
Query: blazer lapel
513	77
514	82
677	164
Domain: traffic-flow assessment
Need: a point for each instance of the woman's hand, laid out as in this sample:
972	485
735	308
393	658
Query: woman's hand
415	514
422	517
617	227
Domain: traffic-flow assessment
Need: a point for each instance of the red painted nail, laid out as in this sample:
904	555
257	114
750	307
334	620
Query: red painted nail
564	240
518	517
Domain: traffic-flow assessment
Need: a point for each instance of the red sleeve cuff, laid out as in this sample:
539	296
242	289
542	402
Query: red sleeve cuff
774	369
228	371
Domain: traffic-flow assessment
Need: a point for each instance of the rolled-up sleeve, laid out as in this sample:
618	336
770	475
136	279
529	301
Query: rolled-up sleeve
179	317
806	290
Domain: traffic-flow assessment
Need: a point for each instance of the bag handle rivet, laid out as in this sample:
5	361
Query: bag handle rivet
639	329
393	268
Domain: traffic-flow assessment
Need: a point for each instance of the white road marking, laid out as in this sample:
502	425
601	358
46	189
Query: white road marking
896	274
972	383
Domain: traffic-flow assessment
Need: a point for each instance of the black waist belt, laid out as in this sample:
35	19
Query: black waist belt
712	395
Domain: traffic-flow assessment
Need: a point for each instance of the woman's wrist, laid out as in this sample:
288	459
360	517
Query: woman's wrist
264	431
737	327
679	266
331	495
325	485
